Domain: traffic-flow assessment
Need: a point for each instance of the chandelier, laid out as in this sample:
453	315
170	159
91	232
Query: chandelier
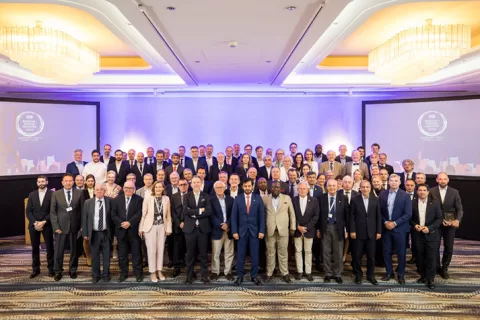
49	53
420	51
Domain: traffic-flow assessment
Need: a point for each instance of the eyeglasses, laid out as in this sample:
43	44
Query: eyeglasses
183	185
128	188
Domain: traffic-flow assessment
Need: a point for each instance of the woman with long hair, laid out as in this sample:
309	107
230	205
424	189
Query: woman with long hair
287	164
244	164
357	180
305	170
298	162
321	180
311	161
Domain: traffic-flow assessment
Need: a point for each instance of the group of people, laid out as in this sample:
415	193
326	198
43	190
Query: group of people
315	205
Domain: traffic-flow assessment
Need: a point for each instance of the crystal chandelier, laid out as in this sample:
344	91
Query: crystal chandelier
420	51
49	53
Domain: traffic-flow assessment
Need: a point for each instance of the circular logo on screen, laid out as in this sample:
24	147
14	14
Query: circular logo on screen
29	124
432	123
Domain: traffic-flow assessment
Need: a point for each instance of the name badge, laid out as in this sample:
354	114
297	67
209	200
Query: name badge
69	209
330	216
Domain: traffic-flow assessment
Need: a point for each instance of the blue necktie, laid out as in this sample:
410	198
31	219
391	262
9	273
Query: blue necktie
332	211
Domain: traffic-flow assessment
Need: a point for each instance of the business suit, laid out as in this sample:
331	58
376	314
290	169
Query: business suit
128	237
66	217
139	174
207	187
213	160
183	162
242	172
280	222
348	170
401	215
99	239
201	163
317	251
332	232
214	170
366	223
413	176
221	238
169	171
337	168
248	225
303	242
177	232
346	160
388	167
40	212
452	202
233	162
73	169
196	234
156	167
264	173
121	174
110	159
427	244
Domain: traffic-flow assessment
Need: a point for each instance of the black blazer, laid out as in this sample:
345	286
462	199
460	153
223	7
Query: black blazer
214	171
263	173
347	159
86	195
240	191
217	216
37	212
122	175
165	164
387	166
207	186
255	163
241	172
353	194
176	211
120	215
310	217
433	219
234	163
201	163
452	201
365	223
402	179
341	214
110	160
191	213
169	171
73	169
139	181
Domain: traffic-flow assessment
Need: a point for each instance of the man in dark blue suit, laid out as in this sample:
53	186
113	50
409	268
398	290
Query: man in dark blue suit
248	227
196	162
76	167
396	208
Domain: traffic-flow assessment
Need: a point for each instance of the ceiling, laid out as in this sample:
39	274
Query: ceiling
319	45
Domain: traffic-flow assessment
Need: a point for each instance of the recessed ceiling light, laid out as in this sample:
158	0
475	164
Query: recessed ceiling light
197	61
268	61
170	8
291	8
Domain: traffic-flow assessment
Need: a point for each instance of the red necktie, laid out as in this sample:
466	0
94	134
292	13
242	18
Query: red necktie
174	168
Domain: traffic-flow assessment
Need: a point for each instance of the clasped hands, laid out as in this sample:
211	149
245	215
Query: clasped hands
423	229
236	236
390	225
38	225
455	223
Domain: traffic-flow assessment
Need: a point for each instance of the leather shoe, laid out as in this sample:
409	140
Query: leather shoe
267	279
309	277
229	277
298	276
57	277
387	277
213	276
106	279
286	278
189	281
95	279
139	278
358	280
339	280
170	264
176	273
122	278
206	280
431	285
73	275
51	274
401	281
444	274
421	280
373	281
34	274
327	279
238	281
257	281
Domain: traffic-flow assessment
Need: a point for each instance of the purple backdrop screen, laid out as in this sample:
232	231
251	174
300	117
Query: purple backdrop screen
41	137
437	135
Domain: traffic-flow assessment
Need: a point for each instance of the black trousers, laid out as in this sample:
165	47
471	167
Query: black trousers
100	242
317	251
361	246
35	239
448	235
132	240
262	254
171	247
426	255
60	242
178	250
379	261
197	241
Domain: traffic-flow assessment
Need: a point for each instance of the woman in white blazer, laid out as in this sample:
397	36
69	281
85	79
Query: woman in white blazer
156	225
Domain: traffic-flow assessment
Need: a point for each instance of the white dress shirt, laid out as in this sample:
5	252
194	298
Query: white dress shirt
303	204
275	202
233	194
118	165
41	195
224	207
443	192
422	211
365	203
209	161
99	171
260	163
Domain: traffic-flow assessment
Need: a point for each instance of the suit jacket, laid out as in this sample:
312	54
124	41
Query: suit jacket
176	211
184	161
452	201
241	172
150	161
37	212
283	219
387	166
341	214
255	163
217	216
347	170
310	217
110	160
201	163
433	219
146	169
191	212
353	193
169	171
207	186
86	195
62	219
402	179
365	223
73	169
165	164
263	173
248	224
132	215
234	163
347	159
88	217
214	161
214	171
283	186
122	175
148	212
337	168
240	191
317	192
402	210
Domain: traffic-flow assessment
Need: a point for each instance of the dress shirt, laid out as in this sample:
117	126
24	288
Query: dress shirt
331	166
209	161
411	195
390	201
142	169
195	165
317	159
269	170
422	211
90	192
150	161
343	160
118	165
65	191
443	192
182	162
41	195
275	202
263	193
220	166
99	171
348	194
365	203
295	190
174	189
260	163
160	166
385	186
79	165
96	217
233	194
355	166
334	203
408	176
224	207
228	160
303	204
311	191
197	198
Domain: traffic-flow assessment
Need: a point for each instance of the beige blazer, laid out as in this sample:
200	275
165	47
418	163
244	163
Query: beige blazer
283	219
337	168
148	210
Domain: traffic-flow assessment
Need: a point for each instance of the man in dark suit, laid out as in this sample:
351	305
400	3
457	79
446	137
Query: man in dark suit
221	235
195	163
96	229
365	228
452	208
182	158
331	228
197	210
276	178
140	169
342	157
229	158
248	150
38	214
307	211
209	157
248	226
407	174
266	170
174	167
410	189
177	200
159	163
219	166
106	158
126	215
121	168
396	208
427	217
375	147
207	186
66	218
382	163
76	167
349	245
150	159
319	157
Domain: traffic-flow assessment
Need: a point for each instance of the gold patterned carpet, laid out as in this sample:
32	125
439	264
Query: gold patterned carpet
42	298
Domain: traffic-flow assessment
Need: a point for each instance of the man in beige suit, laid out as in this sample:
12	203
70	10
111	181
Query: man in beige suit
331	164
280	218
350	168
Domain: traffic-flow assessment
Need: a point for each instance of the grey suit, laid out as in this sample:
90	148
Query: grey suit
69	223
348	171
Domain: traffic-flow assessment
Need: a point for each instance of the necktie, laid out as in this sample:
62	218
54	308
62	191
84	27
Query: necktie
174	168
291	193
348	196
331	166
248	204
131	164
126	205
355	163
220	168
100	216
332	211
181	162
69	197
181	198
141	168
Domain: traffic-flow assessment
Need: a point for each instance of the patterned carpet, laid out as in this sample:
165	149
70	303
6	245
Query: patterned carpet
42	298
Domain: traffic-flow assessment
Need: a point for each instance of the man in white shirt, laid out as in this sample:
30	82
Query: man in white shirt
106	158
234	189
96	168
265	171
211	160
131	158
150	159
259	152
79	182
